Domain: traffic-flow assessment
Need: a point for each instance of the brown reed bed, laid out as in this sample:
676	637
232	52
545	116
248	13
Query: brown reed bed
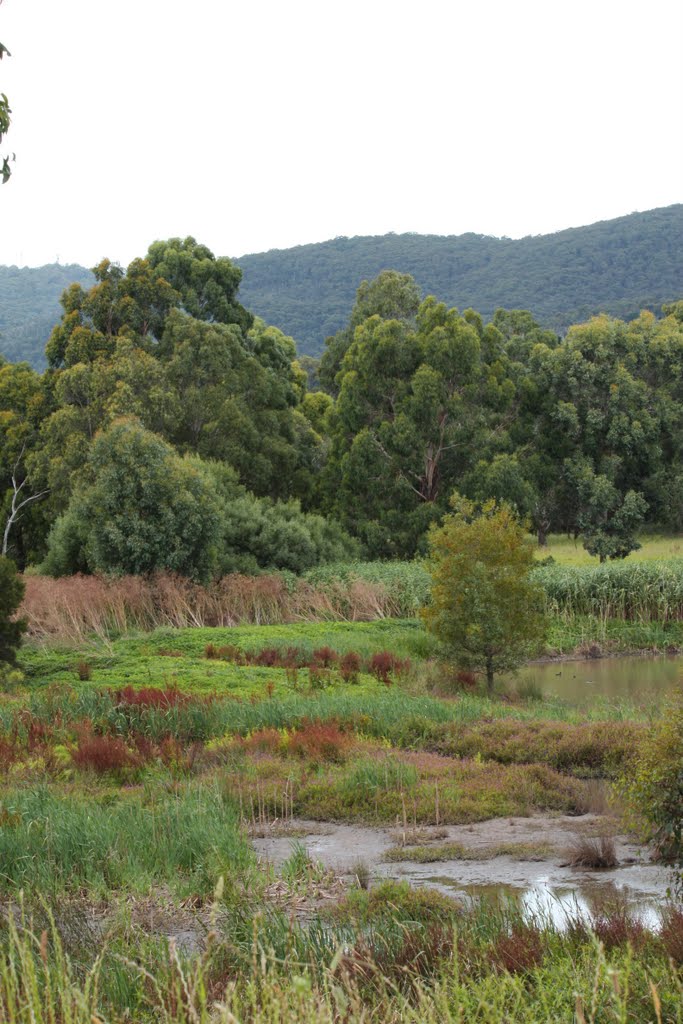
72	608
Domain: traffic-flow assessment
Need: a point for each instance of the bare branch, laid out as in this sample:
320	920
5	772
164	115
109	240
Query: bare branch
15	509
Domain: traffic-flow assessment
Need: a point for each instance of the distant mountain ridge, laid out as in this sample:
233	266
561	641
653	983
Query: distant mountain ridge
29	307
616	266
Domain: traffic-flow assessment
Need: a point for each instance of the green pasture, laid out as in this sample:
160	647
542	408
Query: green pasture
175	658
571	552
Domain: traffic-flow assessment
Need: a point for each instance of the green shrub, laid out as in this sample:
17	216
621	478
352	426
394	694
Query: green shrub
653	788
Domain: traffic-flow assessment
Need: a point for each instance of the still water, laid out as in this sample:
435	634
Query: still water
638	679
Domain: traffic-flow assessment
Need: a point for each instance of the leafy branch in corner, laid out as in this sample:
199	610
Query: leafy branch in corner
5	121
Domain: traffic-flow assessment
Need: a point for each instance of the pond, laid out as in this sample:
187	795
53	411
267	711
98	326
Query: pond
638	679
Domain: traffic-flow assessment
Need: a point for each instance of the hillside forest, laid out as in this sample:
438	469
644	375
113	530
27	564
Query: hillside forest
175	430
620	266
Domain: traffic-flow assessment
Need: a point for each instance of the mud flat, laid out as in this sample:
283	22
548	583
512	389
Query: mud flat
521	858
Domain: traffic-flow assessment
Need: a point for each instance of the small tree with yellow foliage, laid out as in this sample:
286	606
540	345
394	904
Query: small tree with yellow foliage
485	609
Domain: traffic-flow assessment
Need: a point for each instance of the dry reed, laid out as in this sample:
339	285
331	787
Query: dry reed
72	608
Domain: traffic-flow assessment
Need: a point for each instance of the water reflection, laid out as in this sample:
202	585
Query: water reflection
561	905
637	679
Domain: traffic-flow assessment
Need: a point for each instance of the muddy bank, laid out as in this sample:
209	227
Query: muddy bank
538	873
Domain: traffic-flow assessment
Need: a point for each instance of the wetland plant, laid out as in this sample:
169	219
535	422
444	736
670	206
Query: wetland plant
594	852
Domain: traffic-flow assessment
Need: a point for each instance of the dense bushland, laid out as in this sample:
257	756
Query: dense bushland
165	399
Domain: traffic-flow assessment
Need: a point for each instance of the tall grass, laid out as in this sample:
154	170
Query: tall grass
75	607
635	591
184	839
415	962
407	584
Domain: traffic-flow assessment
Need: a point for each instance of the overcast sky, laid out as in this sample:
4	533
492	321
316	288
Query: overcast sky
270	123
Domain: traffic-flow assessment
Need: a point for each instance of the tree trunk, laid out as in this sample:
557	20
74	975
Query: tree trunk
542	537
489	675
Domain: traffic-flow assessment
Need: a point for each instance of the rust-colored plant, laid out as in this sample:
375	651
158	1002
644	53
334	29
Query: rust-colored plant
383	665
519	951
325	657
350	666
264	741
671	933
320	741
149	697
101	754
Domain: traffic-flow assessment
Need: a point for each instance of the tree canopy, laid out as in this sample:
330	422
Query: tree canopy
484	608
618	267
582	434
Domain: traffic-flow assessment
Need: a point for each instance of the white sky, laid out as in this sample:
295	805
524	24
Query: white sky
270	123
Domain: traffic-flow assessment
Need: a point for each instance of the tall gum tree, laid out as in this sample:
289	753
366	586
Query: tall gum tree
403	422
166	341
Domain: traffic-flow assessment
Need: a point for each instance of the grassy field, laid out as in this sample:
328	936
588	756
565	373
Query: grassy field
170	658
571	552
176	658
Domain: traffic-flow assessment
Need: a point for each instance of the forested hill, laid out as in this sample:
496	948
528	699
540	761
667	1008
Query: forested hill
617	266
29	307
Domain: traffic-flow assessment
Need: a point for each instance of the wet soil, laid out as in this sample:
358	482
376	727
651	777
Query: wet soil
545	885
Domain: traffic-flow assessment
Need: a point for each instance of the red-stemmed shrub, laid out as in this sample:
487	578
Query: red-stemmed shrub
38	733
519	951
269	657
263	741
149	697
178	758
325	657
101	753
671	933
144	746
616	927
350	666
384	664
293	657
320	741
8	752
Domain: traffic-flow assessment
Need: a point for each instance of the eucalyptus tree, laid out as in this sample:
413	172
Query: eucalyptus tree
404	424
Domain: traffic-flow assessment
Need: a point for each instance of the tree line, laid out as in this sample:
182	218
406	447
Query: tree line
174	429
620	267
